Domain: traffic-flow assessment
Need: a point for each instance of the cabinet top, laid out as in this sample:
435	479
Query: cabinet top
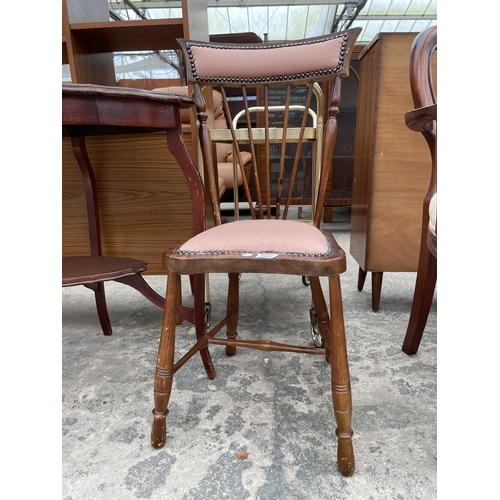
382	35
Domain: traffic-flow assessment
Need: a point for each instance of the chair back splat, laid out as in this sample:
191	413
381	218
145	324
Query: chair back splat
276	133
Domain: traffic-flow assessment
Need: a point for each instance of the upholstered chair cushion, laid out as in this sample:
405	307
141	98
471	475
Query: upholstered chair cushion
433	215
261	236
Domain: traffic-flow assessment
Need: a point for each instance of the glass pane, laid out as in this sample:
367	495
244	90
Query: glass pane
278	22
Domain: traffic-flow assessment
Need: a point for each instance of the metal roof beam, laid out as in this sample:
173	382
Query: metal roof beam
152	4
406	17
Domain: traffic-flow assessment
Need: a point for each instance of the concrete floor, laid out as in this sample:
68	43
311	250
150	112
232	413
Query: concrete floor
274	406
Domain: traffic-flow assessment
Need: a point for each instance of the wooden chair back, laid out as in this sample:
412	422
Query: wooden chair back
423	90
259	72
423	119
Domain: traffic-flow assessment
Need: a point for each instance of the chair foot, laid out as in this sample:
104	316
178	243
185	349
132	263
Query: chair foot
345	454
159	429
230	350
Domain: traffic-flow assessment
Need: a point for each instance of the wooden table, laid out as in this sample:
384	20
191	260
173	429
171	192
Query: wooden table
97	111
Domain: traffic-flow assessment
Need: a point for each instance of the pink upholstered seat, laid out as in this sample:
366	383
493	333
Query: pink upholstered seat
259	236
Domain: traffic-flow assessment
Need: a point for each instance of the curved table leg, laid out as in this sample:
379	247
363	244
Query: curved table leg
140	284
102	310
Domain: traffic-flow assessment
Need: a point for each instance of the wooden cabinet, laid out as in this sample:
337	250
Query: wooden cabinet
392	165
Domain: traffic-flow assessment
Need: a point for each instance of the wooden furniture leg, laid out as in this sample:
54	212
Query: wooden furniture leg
376	286
376	289
341	387
422	301
137	282
199	322
233	298
361	279
102	309
327	214
320	312
164	366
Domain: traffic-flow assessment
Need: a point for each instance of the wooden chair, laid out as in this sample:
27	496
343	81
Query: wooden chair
423	119
268	242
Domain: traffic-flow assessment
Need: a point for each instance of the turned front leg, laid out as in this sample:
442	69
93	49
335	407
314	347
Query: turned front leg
341	387
164	365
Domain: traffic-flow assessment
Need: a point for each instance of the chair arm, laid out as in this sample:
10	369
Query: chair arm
417	119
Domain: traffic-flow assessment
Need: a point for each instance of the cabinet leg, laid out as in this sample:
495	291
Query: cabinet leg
327	214
376	289
361	279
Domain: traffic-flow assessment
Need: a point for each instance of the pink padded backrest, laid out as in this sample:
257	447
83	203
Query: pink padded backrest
318	57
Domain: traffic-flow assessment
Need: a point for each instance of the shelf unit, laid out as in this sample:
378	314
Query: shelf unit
89	38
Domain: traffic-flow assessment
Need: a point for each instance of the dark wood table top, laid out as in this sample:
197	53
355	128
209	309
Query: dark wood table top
89	109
